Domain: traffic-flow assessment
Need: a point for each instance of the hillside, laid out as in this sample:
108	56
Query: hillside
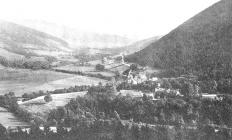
139	45
202	43
20	41
126	49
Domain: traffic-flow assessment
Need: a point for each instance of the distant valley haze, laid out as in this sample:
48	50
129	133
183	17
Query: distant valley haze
38	28
133	19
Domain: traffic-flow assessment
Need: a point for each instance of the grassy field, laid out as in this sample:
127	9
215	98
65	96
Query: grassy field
104	73
26	75
131	93
95	62
1	66
9	55
72	67
23	81
41	109
119	68
7	119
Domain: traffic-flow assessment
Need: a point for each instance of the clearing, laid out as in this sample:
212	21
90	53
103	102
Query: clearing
132	93
41	109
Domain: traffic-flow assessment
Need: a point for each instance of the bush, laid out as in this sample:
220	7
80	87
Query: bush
27	63
166	84
134	67
175	84
2	131
100	67
48	98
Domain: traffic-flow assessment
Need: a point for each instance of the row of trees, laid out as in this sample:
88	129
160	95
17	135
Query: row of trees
101	102
95	131
114	130
9	101
26	63
33	95
85	74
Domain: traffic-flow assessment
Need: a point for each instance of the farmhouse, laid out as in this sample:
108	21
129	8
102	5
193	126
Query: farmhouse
107	60
28	129
136	77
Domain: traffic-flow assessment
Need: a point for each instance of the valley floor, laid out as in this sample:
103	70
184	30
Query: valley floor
23	81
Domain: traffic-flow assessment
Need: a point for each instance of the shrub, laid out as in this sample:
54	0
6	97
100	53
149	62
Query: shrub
134	67
166	84
100	67
48	98
2	130
175	84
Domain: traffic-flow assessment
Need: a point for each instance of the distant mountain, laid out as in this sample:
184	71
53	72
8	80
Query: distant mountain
20	41
79	39
129	49
202	42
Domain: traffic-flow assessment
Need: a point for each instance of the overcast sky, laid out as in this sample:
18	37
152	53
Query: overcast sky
133	18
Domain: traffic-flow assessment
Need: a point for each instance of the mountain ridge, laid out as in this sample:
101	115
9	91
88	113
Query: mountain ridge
20	40
194	41
77	38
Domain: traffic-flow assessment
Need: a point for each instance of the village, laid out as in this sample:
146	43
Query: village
135	74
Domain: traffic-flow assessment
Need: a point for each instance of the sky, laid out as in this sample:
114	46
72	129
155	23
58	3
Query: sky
132	18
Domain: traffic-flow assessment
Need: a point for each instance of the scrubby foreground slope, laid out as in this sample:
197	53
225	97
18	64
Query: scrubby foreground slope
203	42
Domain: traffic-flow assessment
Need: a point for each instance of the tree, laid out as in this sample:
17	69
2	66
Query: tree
175	84
100	67
61	113
2	131
187	89
191	90
135	131
145	132
145	98
166	84
134	67
117	75
48	98
118	135
162	116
